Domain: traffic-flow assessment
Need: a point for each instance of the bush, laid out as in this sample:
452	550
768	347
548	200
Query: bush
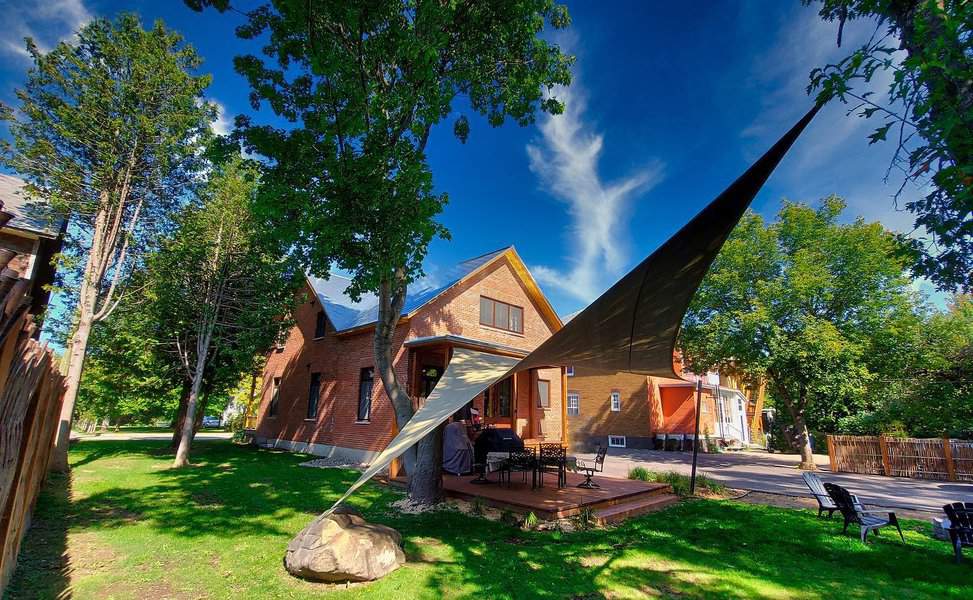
679	482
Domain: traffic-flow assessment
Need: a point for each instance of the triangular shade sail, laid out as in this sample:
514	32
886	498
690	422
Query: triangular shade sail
468	373
632	327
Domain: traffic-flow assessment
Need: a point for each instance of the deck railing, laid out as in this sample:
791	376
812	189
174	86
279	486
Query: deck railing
920	458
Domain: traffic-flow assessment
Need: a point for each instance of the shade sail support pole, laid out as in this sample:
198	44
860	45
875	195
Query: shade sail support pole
699	402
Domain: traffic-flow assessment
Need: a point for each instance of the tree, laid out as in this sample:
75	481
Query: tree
126	379
110	133
930	392
929	112
800	303
219	286
361	86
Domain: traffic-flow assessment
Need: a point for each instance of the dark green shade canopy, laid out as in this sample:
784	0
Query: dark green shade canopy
632	327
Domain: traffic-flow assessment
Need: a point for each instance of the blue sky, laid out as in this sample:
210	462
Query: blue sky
671	101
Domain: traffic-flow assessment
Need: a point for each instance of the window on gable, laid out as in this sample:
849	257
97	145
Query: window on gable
501	315
569	371
543	393
321	325
574	404
274	398
366	383
616	400
313	394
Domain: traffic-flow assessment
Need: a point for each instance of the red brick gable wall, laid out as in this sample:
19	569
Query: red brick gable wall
339	359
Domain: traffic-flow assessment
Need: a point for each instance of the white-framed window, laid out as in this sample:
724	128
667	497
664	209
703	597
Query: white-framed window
616	441
574	404
569	371
616	400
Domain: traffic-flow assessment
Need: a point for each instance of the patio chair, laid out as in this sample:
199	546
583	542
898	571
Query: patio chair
853	512
522	461
825	503
687	443
660	442
553	459
960	515
674	441
590	467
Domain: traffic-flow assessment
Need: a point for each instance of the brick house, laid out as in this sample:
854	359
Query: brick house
33	237
320	393
627	411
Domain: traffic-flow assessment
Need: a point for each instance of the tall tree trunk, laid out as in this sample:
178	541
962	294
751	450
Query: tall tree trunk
423	463
801	439
79	345
425	480
94	270
186	438
180	414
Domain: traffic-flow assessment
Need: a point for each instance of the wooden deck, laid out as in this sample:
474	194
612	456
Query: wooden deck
615	500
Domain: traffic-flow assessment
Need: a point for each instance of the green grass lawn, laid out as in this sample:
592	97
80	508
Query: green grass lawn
134	528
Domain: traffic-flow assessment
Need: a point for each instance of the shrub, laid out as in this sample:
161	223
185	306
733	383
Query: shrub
476	507
508	517
679	482
530	521
585	519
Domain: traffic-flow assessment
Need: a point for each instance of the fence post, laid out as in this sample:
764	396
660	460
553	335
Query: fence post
831	454
886	461
948	453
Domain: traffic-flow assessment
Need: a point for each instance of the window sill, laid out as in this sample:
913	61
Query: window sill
317	339
502	330
365	422
314	420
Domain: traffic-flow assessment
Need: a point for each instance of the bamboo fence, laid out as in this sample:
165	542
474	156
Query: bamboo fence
919	458
31	392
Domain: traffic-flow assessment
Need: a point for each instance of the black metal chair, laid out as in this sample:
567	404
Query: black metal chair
853	512
589	467
553	459
825	503
960	515
523	461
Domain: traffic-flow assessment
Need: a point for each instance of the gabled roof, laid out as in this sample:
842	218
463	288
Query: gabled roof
29	215
346	314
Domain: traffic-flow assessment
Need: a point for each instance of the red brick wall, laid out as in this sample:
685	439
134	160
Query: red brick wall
339	359
24	248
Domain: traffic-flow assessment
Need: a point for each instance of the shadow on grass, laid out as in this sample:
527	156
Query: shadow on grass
698	548
42	566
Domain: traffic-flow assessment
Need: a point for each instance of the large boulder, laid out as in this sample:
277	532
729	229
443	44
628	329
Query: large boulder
343	546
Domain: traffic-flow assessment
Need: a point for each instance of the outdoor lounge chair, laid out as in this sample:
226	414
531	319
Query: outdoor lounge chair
825	503
960	515
590	467
553	459
853	512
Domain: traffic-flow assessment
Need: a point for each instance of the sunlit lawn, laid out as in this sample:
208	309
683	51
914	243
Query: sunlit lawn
134	528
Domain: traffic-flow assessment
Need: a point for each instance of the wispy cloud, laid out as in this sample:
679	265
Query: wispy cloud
565	159
47	22
223	123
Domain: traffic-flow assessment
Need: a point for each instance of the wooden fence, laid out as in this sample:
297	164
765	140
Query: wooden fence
31	392
920	458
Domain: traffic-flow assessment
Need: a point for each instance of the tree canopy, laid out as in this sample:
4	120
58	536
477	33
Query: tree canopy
927	111
803	303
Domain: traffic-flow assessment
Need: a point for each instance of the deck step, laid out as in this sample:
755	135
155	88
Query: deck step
633	508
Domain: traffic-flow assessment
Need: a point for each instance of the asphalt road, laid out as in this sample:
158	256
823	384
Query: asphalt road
778	474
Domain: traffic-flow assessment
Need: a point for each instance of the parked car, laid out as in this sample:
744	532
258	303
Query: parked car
211	421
